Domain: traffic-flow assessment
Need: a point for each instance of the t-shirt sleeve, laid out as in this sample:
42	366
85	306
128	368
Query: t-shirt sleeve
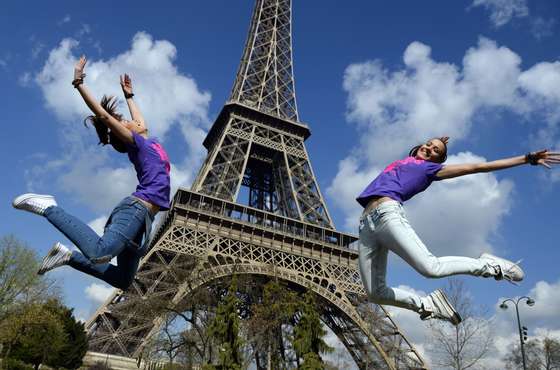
138	141
432	169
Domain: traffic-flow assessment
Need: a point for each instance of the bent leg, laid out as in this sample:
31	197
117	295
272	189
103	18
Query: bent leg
74	229
126	222
373	270
399	236
120	276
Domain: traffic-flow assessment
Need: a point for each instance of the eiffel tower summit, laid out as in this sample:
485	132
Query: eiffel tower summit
255	210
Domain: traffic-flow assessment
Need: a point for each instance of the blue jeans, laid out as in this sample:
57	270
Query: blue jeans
122	238
386	229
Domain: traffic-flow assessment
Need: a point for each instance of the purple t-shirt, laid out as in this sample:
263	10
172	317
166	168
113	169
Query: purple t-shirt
401	180
152	170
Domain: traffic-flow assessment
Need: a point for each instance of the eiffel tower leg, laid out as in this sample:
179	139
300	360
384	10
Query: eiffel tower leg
224	168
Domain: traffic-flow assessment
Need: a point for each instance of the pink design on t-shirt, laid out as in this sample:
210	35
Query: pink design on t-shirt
402	162
162	155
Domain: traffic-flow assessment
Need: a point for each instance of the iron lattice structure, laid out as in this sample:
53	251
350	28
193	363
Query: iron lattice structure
255	150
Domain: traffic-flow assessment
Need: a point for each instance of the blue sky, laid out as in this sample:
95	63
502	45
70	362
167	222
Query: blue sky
372	80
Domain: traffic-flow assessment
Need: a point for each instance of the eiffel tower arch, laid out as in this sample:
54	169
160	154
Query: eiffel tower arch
256	150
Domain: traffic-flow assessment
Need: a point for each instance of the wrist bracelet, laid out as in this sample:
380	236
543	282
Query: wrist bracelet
77	82
128	96
532	158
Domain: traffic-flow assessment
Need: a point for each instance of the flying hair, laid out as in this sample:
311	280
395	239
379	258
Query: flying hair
106	136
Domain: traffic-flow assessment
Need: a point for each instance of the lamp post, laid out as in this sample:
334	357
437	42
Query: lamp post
530	302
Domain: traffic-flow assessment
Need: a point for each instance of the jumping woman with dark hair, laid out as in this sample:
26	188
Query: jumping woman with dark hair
384	227
128	227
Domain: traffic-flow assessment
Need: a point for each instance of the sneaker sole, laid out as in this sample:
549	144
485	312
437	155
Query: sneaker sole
20	199
455	318
52	253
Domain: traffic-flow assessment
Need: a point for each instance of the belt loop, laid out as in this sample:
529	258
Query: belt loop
370	218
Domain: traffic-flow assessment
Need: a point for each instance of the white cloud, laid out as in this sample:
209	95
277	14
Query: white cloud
98	293
490	76
98	224
166	97
503	11
541	27
541	80
545	311
67	18
24	79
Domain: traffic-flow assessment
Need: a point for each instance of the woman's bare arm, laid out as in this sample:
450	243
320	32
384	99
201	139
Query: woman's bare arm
542	157
114	125
126	84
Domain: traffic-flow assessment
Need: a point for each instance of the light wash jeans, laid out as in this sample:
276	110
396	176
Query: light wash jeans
122	238
386	229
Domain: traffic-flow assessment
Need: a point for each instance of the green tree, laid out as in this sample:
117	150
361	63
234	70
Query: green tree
275	310
225	330
19	282
308	335
75	345
32	334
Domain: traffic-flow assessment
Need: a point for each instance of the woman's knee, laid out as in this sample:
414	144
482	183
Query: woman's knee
430	268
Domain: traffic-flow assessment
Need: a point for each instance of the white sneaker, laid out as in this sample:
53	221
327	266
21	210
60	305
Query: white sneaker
58	256
503	269
34	203
437	306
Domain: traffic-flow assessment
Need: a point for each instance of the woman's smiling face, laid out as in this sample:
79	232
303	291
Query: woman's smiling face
433	151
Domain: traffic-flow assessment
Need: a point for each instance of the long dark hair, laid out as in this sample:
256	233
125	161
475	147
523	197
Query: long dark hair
443	156
106	136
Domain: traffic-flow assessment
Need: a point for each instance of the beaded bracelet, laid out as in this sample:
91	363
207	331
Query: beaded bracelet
78	81
532	158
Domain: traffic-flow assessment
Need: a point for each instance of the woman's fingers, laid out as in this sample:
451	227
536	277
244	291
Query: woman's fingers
81	63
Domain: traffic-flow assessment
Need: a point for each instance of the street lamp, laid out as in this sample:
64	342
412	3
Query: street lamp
522	332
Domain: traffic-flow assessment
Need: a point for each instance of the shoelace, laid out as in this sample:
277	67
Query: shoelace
506	275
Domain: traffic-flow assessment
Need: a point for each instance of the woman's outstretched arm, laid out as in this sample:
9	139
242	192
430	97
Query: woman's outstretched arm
114	125
542	158
126	84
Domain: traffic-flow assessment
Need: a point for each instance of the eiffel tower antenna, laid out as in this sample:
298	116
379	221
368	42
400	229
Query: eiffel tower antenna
254	209
265	79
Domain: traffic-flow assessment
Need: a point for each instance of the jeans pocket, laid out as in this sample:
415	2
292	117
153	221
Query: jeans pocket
128	222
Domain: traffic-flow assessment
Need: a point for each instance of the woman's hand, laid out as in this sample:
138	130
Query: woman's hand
543	158
126	84
79	68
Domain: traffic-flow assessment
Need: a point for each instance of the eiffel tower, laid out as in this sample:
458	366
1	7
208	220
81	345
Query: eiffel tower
256	150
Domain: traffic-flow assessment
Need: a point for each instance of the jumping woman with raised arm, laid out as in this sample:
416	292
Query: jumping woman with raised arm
384	227
130	222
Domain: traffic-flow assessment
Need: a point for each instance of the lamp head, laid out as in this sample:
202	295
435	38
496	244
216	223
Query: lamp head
530	302
503	306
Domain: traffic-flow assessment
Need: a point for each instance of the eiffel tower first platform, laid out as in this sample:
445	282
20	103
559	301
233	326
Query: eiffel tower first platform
256	150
